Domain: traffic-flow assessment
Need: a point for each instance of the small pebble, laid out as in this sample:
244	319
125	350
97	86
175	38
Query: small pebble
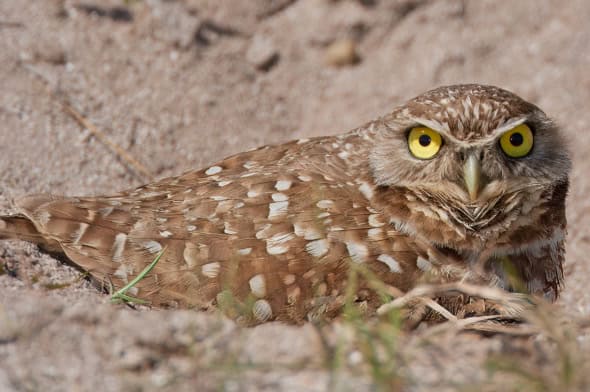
262	53
50	52
341	53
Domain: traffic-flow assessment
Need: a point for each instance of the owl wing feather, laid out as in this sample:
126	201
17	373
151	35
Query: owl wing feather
279	237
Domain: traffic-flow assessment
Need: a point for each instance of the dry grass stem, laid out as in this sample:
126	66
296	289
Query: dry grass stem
514	304
133	164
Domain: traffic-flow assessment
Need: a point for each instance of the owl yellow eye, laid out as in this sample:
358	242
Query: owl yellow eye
424	143
518	142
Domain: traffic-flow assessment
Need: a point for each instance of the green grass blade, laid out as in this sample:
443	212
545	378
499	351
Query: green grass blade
121	295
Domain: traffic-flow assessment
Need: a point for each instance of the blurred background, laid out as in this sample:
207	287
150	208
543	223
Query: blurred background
179	84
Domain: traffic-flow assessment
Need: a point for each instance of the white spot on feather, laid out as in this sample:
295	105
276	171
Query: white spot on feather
224	206
227	229
423	264
375	234
152	246
213	170
133	291
151	194
276	249
390	262
244	251
119	247
309	232
191	254
166	233
123	272
223	183
317	248
90	215
374	220
279	197
366	190
77	235
258	285
289	279
211	270
277	244
304	178
277	209
293	294
263	232
139	225
343	155
43	217
358	252
325	204
105	211
262	310
283	185
252	193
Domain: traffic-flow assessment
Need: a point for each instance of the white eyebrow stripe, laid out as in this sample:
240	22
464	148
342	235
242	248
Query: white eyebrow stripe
508	125
443	129
433	124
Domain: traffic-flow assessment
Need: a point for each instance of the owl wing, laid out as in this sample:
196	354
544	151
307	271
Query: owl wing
274	239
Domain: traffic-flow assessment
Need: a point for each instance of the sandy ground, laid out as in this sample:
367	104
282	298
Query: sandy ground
180	84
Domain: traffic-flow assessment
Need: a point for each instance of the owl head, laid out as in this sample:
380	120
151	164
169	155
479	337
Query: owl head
479	157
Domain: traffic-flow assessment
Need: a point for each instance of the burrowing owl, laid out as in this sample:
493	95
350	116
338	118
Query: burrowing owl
465	182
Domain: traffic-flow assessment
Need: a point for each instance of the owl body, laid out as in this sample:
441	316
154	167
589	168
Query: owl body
274	233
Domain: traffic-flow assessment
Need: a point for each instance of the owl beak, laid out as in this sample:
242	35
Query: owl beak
472	176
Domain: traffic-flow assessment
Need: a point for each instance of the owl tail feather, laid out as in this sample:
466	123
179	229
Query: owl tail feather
21	228
18	227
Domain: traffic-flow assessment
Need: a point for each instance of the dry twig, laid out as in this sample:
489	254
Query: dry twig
132	163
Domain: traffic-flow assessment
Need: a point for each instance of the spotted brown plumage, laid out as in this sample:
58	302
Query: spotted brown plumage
278	228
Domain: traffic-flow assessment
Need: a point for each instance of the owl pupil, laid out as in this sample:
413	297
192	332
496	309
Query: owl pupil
425	140
516	139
